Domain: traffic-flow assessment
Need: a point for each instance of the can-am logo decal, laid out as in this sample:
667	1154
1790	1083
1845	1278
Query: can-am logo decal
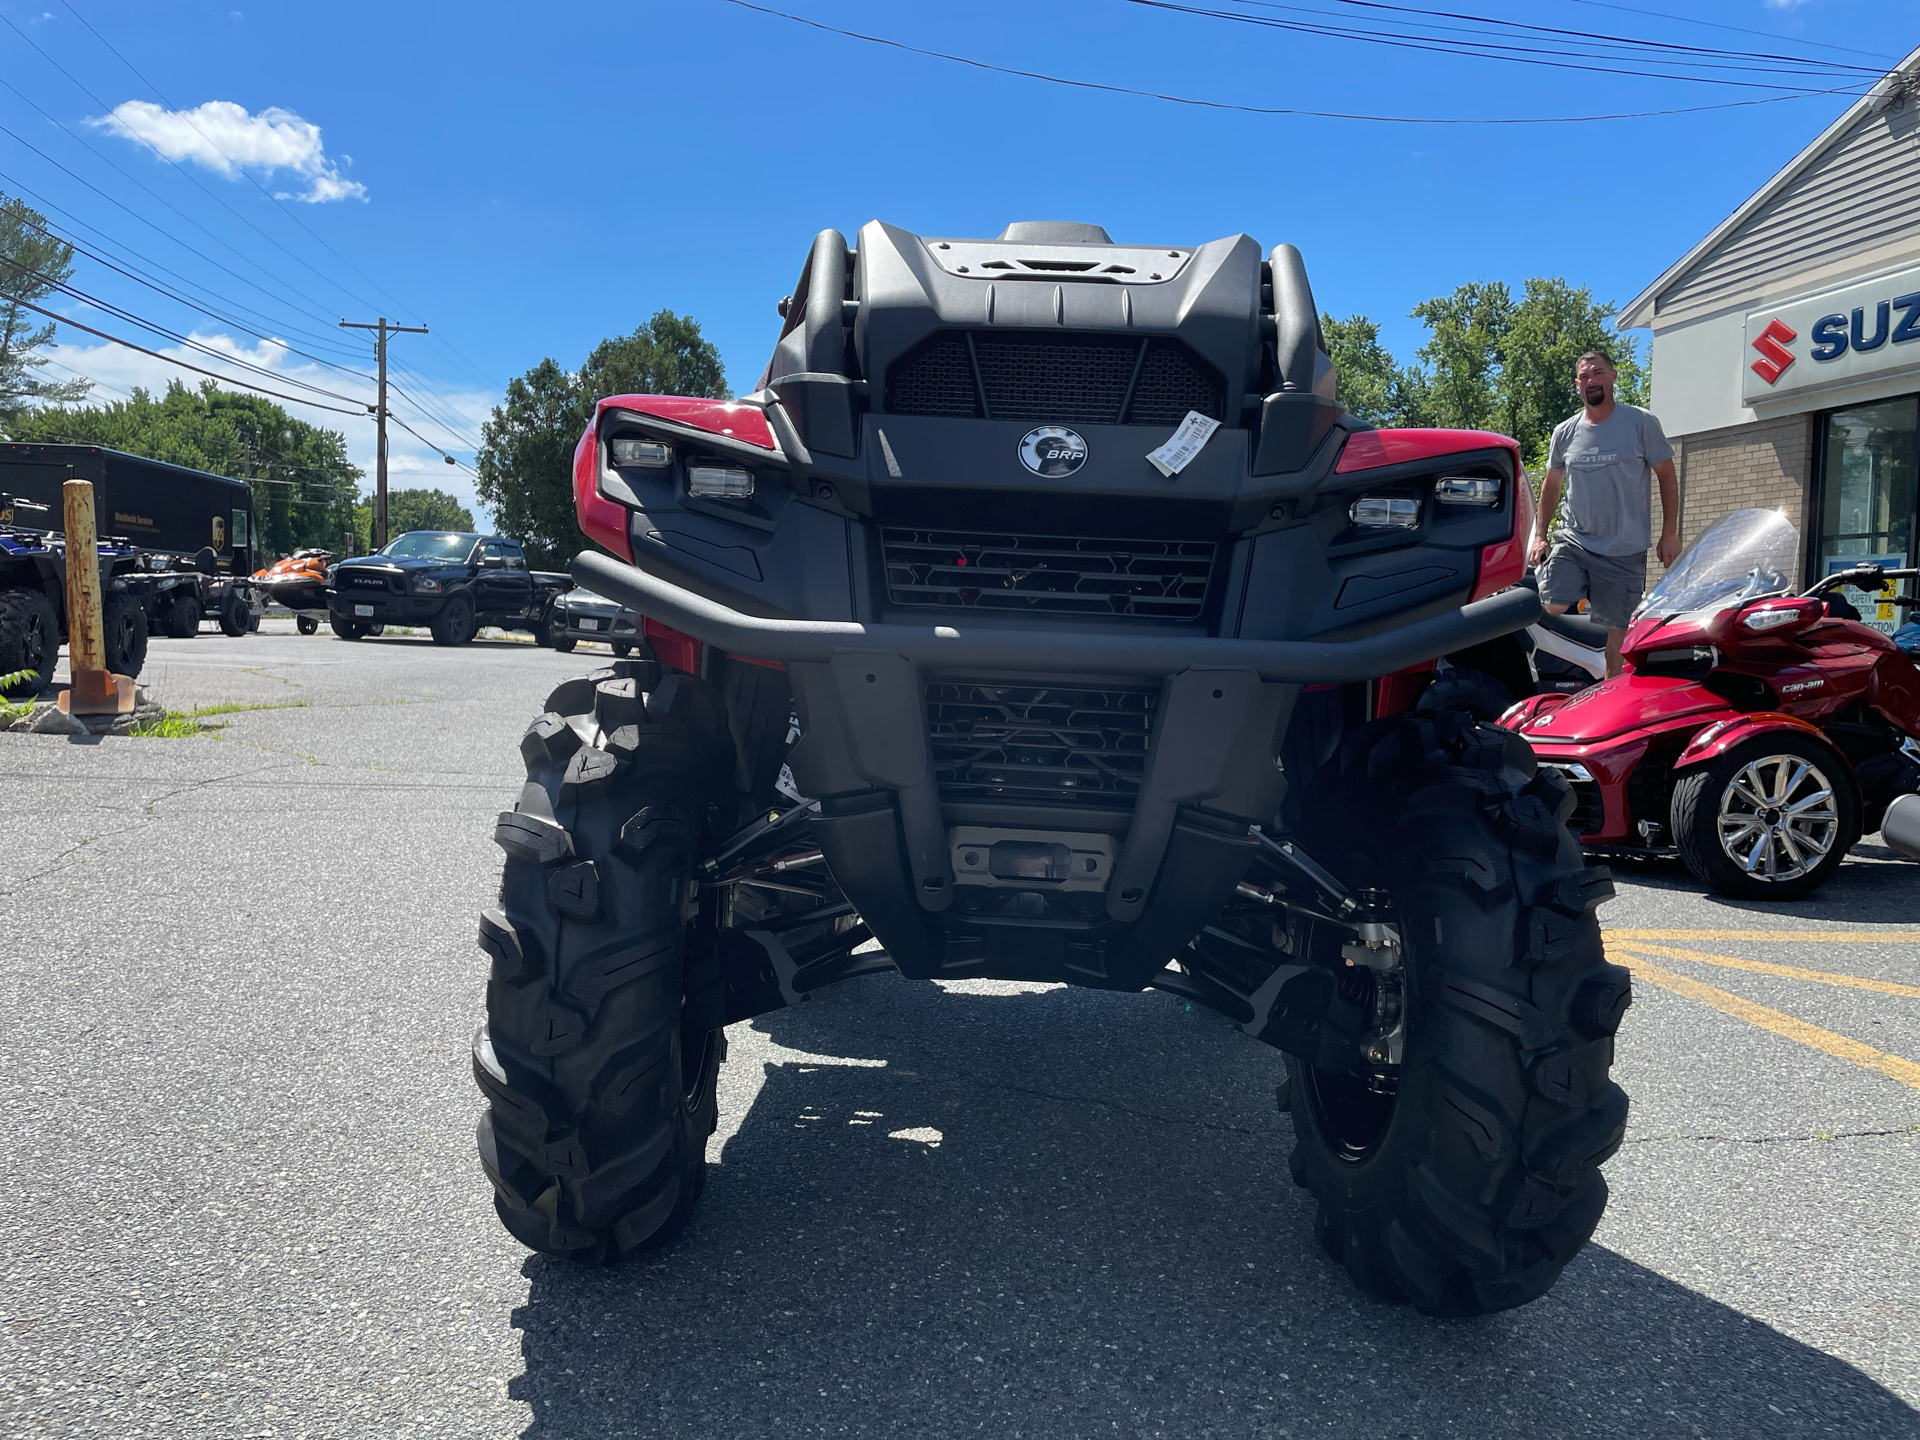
1052	451
1774	355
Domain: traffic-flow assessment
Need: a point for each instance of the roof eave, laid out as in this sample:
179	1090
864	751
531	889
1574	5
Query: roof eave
1640	310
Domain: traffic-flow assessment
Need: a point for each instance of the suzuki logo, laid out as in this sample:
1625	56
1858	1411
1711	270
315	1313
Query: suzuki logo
1774	355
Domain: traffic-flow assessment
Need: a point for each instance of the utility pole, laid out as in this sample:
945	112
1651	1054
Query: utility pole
380	420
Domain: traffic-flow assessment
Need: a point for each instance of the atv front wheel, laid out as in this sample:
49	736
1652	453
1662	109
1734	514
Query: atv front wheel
1769	820
601	1053
124	627
1473	691
1465	1177
29	642
183	617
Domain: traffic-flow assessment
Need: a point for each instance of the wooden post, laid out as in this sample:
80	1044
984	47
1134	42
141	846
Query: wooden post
91	689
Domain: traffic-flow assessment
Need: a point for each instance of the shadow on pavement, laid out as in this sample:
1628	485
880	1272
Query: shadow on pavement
1063	1213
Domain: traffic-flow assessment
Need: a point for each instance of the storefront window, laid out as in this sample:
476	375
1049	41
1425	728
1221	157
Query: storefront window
1868	484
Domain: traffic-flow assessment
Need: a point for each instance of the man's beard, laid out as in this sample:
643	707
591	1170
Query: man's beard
1595	394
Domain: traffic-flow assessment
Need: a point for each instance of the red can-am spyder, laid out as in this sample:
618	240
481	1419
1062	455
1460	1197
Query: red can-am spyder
1757	732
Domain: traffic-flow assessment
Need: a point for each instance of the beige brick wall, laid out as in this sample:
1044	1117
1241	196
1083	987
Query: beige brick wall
1768	464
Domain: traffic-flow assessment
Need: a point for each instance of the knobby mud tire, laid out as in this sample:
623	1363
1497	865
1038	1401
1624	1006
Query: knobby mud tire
1485	1180
123	624
183	617
29	641
1473	691
601	1053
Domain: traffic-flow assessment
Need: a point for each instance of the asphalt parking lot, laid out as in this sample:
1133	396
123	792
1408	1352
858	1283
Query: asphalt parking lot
235	1004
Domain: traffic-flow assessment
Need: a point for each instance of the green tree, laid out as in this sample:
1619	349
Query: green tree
411	510
1466	333
303	484
525	462
33	265
1372	384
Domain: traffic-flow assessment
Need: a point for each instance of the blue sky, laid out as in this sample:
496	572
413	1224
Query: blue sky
529	179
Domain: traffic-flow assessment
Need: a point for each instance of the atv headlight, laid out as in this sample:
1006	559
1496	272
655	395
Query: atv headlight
1375	512
426	585
1466	490
723	482
654	454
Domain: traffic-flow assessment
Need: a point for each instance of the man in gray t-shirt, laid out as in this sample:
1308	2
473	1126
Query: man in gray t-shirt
1603	456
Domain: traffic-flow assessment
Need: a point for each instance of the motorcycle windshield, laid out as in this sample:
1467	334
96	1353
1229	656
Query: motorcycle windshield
1745	556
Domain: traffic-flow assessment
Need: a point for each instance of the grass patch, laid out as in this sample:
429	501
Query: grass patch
185	724
235	707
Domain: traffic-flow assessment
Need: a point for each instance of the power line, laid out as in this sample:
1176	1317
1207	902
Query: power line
1466	49
1736	29
168	359
1580	37
105	239
191	304
82	87
291	214
1264	109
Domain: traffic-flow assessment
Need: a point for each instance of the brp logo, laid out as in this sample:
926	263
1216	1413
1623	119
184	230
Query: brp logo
1774	355
1052	451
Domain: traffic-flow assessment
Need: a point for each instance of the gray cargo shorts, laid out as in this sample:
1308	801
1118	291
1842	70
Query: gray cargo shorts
1611	584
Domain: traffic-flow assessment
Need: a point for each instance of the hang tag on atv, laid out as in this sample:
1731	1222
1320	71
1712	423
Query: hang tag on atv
1185	443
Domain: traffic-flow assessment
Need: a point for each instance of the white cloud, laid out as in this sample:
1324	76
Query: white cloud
410	464
223	137
1787	4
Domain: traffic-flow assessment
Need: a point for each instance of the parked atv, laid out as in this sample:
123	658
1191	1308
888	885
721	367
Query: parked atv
33	601
1036	618
1757	734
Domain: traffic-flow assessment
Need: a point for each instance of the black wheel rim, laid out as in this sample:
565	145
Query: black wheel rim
1354	1109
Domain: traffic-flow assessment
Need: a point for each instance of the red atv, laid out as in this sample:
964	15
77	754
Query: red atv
1756	732
1043	616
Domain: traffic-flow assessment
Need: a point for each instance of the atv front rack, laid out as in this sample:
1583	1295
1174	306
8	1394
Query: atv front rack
1211	771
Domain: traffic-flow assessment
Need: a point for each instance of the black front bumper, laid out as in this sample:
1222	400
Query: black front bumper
387	608
1211	769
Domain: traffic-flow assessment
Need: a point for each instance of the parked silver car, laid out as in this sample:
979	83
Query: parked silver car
582	615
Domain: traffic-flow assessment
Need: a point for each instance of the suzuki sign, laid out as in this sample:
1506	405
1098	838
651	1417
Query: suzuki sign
1859	331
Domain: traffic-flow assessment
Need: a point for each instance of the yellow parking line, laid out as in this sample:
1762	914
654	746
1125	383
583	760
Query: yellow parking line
1791	972
1839	1046
1851	937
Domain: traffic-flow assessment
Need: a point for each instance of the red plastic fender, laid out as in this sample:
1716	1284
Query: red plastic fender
1894	690
600	519
1522	711
1397	693
1722	735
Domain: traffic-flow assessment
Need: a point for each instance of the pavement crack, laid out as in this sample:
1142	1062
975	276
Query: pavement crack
1815	1137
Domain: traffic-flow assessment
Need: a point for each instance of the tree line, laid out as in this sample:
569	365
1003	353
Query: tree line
1490	362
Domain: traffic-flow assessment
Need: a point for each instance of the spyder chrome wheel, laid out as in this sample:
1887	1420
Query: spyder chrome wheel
1778	818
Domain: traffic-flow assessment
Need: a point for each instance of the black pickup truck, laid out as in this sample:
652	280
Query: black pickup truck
450	581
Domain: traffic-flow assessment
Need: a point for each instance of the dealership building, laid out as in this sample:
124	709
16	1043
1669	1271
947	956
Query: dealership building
1786	344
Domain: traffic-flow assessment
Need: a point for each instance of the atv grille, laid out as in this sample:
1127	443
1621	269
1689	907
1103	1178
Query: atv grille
1087	380
1047	574
1072	382
1038	742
